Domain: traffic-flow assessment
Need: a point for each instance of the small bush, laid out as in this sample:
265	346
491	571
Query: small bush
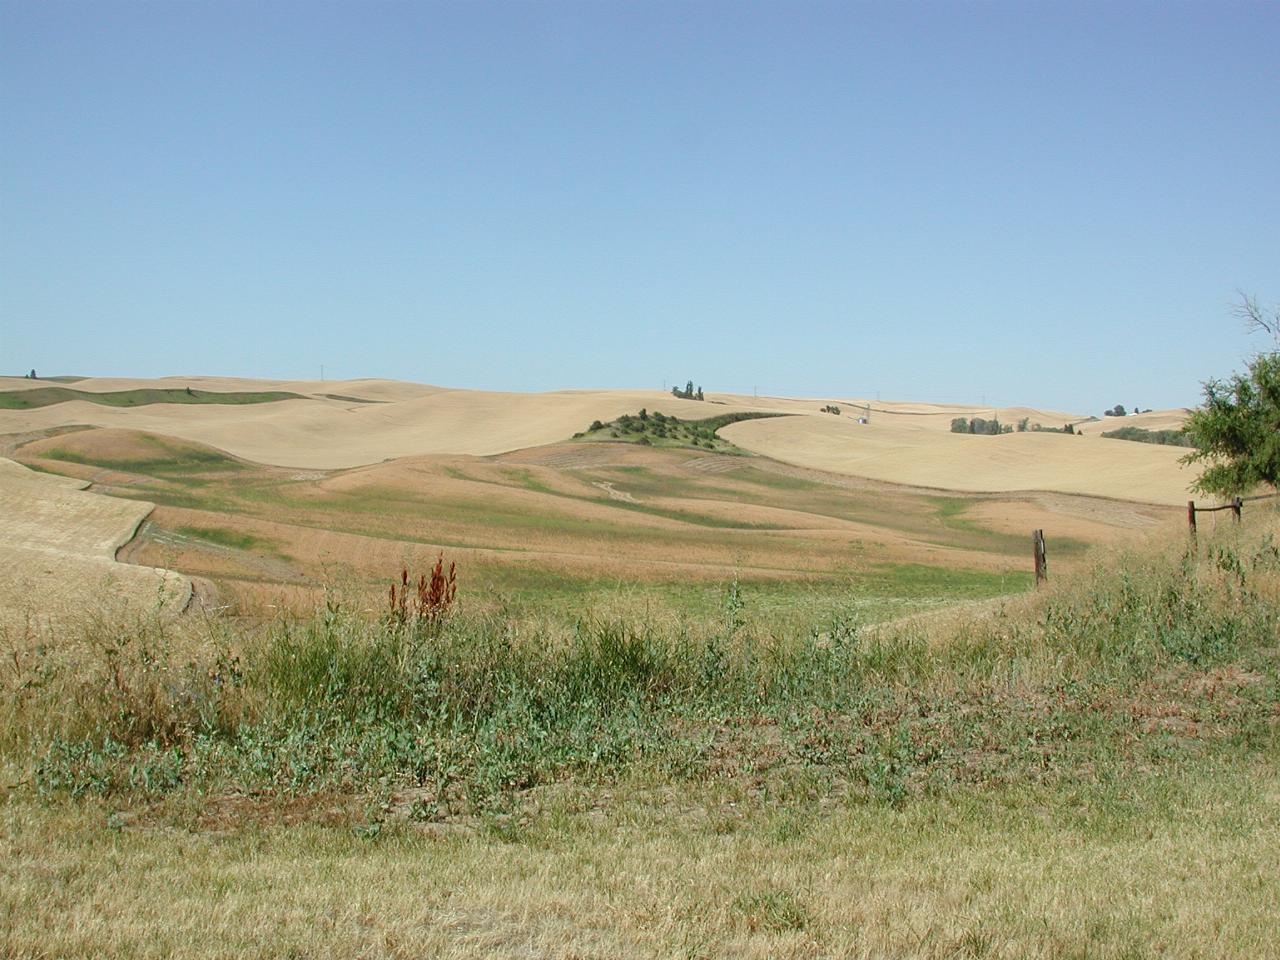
432	600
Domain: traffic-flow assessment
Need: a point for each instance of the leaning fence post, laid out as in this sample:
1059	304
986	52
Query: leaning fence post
1037	549
1191	516
1236	505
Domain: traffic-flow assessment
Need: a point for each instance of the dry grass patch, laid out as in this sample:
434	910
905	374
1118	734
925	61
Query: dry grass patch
1170	867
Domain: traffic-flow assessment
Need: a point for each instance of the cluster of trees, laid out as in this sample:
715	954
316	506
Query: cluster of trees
980	426
652	425
831	408
32	375
647	428
656	423
688	393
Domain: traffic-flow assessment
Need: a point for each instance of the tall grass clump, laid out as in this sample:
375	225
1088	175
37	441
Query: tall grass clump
1123	665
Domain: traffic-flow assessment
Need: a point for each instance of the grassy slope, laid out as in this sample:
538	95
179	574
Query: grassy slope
46	396
166	460
1091	774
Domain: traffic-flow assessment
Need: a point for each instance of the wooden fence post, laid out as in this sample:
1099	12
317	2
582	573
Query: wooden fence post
1037	549
1236	505
1191	516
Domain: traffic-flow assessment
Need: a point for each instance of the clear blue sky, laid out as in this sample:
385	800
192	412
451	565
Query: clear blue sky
1048	203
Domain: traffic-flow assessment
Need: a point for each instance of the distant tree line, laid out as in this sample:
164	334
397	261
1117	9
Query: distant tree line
1065	428
688	393
1168	438
831	408
992	427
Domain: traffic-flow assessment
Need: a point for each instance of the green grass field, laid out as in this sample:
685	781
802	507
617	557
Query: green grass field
46	396
226	538
169	462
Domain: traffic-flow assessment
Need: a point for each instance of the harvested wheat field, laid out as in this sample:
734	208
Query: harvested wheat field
58	544
1012	462
338	424
339	428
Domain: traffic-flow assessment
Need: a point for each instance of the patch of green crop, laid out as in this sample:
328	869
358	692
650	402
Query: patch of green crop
915	580
227	538
163	459
345	399
46	396
525	479
951	512
779	481
178	494
688	516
